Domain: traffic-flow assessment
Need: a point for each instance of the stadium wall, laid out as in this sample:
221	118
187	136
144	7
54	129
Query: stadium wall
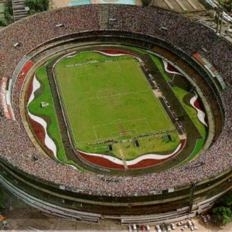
44	193
185	200
86	39
192	199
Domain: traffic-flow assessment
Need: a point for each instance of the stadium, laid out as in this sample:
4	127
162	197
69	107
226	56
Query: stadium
115	111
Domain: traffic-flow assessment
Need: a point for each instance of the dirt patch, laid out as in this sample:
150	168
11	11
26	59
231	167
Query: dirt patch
31	219
54	4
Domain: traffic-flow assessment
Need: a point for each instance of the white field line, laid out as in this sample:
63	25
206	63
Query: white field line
118	121
200	113
47	140
115	135
114	159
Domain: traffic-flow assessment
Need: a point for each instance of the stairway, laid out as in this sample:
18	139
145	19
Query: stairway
19	10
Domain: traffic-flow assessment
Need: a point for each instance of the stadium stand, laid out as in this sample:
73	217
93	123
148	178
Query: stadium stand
193	185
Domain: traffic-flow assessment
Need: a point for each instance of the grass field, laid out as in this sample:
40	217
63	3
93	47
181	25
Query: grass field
48	113
2	7
44	95
107	100
180	94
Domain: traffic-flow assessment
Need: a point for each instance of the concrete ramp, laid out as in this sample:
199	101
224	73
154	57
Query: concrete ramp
181	6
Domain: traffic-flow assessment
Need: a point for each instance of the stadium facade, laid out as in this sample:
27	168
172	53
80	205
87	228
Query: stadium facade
184	190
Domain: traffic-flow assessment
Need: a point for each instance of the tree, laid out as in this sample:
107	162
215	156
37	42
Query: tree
222	215
222	210
8	13
227	4
2	24
227	200
37	5
146	2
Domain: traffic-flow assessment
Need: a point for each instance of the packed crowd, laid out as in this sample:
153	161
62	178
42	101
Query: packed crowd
17	148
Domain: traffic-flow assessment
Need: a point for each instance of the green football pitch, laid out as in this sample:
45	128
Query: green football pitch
108	101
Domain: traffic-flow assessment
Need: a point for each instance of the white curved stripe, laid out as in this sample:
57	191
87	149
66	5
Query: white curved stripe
70	55
47	140
116	54
35	86
170	71
120	54
137	160
200	113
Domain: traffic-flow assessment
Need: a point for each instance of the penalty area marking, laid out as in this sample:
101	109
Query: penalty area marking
117	133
